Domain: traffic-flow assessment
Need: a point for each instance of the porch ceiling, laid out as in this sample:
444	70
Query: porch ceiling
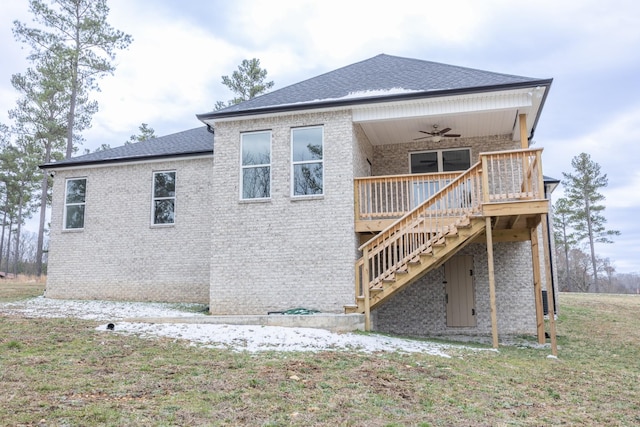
407	130
468	115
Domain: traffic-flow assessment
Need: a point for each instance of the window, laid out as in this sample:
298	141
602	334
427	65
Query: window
307	163
256	165
440	161
436	161
164	197
74	203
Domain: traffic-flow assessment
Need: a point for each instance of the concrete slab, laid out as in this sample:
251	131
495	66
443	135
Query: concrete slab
328	321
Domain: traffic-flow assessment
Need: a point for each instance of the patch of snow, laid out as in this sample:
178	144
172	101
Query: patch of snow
252	338
378	92
276	338
94	310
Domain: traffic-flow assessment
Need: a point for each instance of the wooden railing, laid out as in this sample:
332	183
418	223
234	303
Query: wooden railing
409	236
498	177
392	196
512	175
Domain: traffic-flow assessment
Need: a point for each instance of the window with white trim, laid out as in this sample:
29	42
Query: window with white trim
74	203
255	165
307	161
164	198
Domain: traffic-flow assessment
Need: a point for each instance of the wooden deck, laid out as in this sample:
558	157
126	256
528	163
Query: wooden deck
411	224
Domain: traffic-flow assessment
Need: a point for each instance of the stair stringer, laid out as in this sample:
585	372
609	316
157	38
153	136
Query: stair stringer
433	257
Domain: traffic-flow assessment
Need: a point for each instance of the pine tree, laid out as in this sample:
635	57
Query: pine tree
41	116
585	202
76	35
146	133
563	235
19	172
247	82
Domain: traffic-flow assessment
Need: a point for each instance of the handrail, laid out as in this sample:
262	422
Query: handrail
415	213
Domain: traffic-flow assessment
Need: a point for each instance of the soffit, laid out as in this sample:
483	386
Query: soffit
470	115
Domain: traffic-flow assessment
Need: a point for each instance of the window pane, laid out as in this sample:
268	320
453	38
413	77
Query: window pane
255	182
256	148
164	184
424	162
75	217
307	144
163	212
76	190
307	179
457	160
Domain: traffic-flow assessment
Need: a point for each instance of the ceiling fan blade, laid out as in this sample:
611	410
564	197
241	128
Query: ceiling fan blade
452	135
445	130
423	137
428	133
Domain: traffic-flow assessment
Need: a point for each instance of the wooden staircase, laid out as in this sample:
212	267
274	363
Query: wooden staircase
506	184
437	250
422	240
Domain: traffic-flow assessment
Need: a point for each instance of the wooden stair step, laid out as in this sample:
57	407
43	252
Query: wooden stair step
350	309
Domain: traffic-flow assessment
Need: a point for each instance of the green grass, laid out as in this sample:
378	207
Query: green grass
64	372
12	290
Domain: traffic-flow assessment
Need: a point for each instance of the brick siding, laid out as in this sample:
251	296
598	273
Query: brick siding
119	255
284	252
419	309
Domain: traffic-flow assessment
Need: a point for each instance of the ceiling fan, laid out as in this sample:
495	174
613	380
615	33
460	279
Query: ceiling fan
437	134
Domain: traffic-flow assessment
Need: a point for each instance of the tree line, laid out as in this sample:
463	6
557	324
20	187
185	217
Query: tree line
71	46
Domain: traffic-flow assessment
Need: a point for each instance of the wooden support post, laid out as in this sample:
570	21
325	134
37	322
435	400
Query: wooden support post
524	137
537	284
540	183
527	185
365	289
485	179
550	295
492	283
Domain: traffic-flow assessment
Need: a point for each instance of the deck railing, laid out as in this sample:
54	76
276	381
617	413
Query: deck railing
512	175
391	196
506	176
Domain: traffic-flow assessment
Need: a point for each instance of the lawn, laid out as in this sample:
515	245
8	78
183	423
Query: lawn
62	372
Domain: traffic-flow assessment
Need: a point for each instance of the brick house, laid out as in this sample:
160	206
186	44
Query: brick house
398	188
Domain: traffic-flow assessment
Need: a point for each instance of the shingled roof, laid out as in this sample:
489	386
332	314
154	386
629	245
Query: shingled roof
191	142
381	78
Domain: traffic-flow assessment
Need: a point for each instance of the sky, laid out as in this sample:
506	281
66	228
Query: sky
181	48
